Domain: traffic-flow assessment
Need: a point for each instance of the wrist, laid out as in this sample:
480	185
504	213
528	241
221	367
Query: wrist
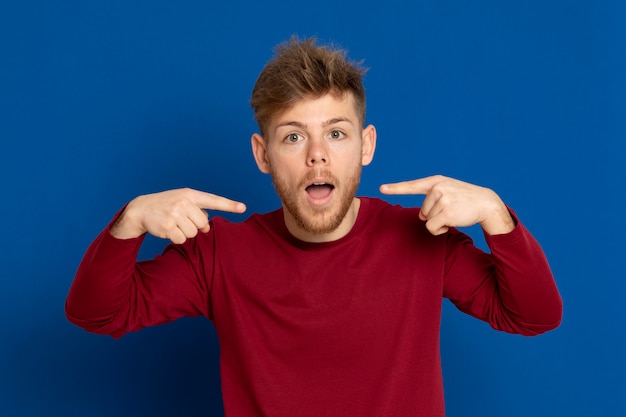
499	221
126	227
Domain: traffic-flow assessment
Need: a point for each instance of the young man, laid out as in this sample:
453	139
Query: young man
330	305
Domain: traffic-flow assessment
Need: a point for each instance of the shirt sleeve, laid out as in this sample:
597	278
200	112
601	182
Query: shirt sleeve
512	288
114	294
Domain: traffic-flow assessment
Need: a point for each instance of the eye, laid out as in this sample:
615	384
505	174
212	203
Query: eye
293	138
337	134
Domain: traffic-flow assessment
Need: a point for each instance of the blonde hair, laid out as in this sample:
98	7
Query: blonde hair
301	69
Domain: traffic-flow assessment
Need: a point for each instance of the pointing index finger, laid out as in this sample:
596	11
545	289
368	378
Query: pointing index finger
418	186
215	202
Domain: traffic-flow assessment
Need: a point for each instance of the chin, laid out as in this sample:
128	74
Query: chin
321	220
320	226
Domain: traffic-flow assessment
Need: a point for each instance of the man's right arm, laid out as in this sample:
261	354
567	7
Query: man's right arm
112	294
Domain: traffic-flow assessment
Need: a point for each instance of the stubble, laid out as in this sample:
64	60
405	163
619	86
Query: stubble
318	220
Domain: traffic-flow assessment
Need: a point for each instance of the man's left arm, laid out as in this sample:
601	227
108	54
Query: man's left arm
512	288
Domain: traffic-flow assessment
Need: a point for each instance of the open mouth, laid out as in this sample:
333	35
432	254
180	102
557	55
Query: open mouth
320	191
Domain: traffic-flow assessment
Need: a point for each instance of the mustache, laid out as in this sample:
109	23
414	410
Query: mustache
323	173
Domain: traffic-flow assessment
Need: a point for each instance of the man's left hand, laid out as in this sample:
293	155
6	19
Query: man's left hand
453	203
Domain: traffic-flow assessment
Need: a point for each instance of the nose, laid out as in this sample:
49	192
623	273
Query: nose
317	153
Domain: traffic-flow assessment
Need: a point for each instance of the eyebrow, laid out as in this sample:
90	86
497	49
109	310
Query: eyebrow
304	126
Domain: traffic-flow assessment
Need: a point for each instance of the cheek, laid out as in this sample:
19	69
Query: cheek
284	165
284	156
354	159
287	173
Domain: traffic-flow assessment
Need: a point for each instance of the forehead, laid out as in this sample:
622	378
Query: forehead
318	110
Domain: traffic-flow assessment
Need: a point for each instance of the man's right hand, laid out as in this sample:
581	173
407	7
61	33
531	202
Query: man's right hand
175	215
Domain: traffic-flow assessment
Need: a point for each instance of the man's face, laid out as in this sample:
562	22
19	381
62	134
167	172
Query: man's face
314	152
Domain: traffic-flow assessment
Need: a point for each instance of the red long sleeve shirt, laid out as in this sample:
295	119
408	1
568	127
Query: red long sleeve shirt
345	328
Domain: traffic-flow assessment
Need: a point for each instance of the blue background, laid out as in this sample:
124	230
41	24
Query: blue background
103	100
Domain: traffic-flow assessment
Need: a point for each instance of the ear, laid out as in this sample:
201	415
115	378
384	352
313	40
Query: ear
368	145
259	150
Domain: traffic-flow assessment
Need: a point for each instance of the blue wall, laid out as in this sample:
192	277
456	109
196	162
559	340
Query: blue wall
103	100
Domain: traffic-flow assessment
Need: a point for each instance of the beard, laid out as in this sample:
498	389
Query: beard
318	220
